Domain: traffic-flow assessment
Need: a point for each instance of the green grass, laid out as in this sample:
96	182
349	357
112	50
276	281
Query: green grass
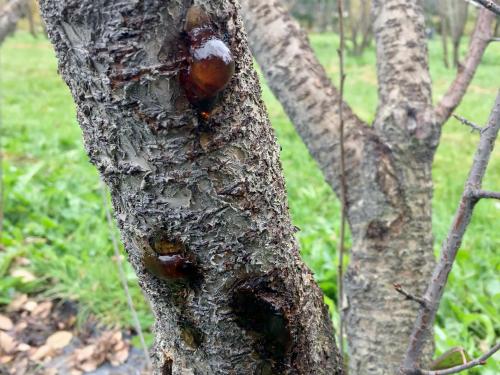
55	218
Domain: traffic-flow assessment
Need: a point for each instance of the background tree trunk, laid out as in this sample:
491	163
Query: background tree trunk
10	14
444	39
389	178
455	15
238	299
359	25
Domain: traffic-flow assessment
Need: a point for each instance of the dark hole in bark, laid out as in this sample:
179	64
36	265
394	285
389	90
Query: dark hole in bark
166	369
259	310
190	334
411	112
377	229
265	368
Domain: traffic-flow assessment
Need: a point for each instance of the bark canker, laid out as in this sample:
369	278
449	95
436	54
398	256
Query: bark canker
187	189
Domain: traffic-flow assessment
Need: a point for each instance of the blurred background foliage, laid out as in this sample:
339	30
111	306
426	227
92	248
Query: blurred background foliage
54	217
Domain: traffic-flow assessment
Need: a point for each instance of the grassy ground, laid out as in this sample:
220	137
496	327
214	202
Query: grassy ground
55	218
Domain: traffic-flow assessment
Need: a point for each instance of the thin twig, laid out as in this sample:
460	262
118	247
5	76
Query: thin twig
476	362
399	288
343	184
123	278
434	292
490	5
473	126
1	173
479	194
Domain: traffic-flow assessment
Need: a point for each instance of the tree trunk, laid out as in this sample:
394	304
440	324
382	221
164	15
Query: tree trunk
359	25
444	40
10	14
455	14
388	166
230	295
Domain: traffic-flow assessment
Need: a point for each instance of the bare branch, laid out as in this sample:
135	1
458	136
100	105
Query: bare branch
343	182
479	41
454	370
480	194
490	5
302	86
399	288
466	122
434	292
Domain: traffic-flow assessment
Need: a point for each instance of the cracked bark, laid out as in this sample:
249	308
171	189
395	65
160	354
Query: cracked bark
233	296
388	165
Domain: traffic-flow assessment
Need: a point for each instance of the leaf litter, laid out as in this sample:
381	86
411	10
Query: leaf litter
40	337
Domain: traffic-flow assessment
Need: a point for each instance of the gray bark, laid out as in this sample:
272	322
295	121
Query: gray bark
212	190
388	166
470	197
10	14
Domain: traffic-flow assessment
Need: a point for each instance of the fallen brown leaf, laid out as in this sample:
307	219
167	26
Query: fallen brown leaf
30	305
20	326
59	339
5	323
43	309
7	343
87	358
6	359
23	347
119	357
84	353
41	353
17	303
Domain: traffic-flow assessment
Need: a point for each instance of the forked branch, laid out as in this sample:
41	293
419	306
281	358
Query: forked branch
434	292
479	41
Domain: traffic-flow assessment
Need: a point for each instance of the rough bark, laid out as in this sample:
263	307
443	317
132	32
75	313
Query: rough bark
388	165
212	190
10	14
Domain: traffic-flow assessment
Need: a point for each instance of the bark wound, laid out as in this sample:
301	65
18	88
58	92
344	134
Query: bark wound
190	334
377	229
263	310
167	366
171	261
212	201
